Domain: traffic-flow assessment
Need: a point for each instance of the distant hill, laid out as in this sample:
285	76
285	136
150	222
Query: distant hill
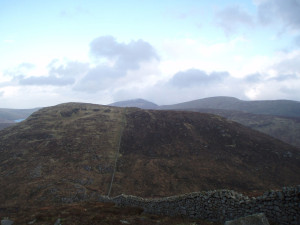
139	103
15	114
286	108
9	117
74	152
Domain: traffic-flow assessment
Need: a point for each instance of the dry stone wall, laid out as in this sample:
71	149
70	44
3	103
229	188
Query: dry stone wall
282	206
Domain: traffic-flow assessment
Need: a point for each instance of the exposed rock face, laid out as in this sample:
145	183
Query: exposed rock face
256	219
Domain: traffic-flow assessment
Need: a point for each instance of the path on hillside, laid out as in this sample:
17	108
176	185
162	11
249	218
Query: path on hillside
118	150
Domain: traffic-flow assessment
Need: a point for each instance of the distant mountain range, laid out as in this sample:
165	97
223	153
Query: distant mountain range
76	152
285	108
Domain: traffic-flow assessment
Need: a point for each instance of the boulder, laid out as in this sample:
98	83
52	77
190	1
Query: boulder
255	219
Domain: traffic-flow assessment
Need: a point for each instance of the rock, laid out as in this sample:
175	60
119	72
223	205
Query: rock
256	219
6	222
32	222
57	222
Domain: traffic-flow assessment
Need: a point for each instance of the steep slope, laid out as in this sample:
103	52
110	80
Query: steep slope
73	152
269	107
139	103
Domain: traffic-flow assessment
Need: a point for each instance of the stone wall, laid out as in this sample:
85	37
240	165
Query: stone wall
221	205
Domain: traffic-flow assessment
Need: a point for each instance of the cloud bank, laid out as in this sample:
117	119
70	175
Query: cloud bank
120	71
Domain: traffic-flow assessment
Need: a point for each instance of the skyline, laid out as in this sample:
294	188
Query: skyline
162	51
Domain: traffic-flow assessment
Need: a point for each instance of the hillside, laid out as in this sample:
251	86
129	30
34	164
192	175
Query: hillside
73	152
286	129
286	108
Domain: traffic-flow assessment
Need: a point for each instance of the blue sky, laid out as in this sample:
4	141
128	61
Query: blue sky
165	51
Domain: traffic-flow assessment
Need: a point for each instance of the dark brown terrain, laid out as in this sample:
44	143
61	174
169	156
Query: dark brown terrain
277	118
186	151
93	213
68	153
286	129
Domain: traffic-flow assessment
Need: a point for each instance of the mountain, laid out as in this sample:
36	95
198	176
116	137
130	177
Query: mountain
139	103
76	151
286	108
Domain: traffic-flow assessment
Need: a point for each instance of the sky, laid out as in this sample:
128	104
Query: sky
164	51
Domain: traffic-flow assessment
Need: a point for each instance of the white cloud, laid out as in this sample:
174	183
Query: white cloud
187	69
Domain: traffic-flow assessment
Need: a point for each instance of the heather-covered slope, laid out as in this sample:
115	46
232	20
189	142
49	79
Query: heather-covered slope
59	154
171	152
72	152
286	129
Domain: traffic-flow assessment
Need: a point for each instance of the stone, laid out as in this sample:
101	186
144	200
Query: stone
57	222
256	219
7	222
32	222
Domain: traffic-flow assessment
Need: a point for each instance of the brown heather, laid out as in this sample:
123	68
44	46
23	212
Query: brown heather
70	152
